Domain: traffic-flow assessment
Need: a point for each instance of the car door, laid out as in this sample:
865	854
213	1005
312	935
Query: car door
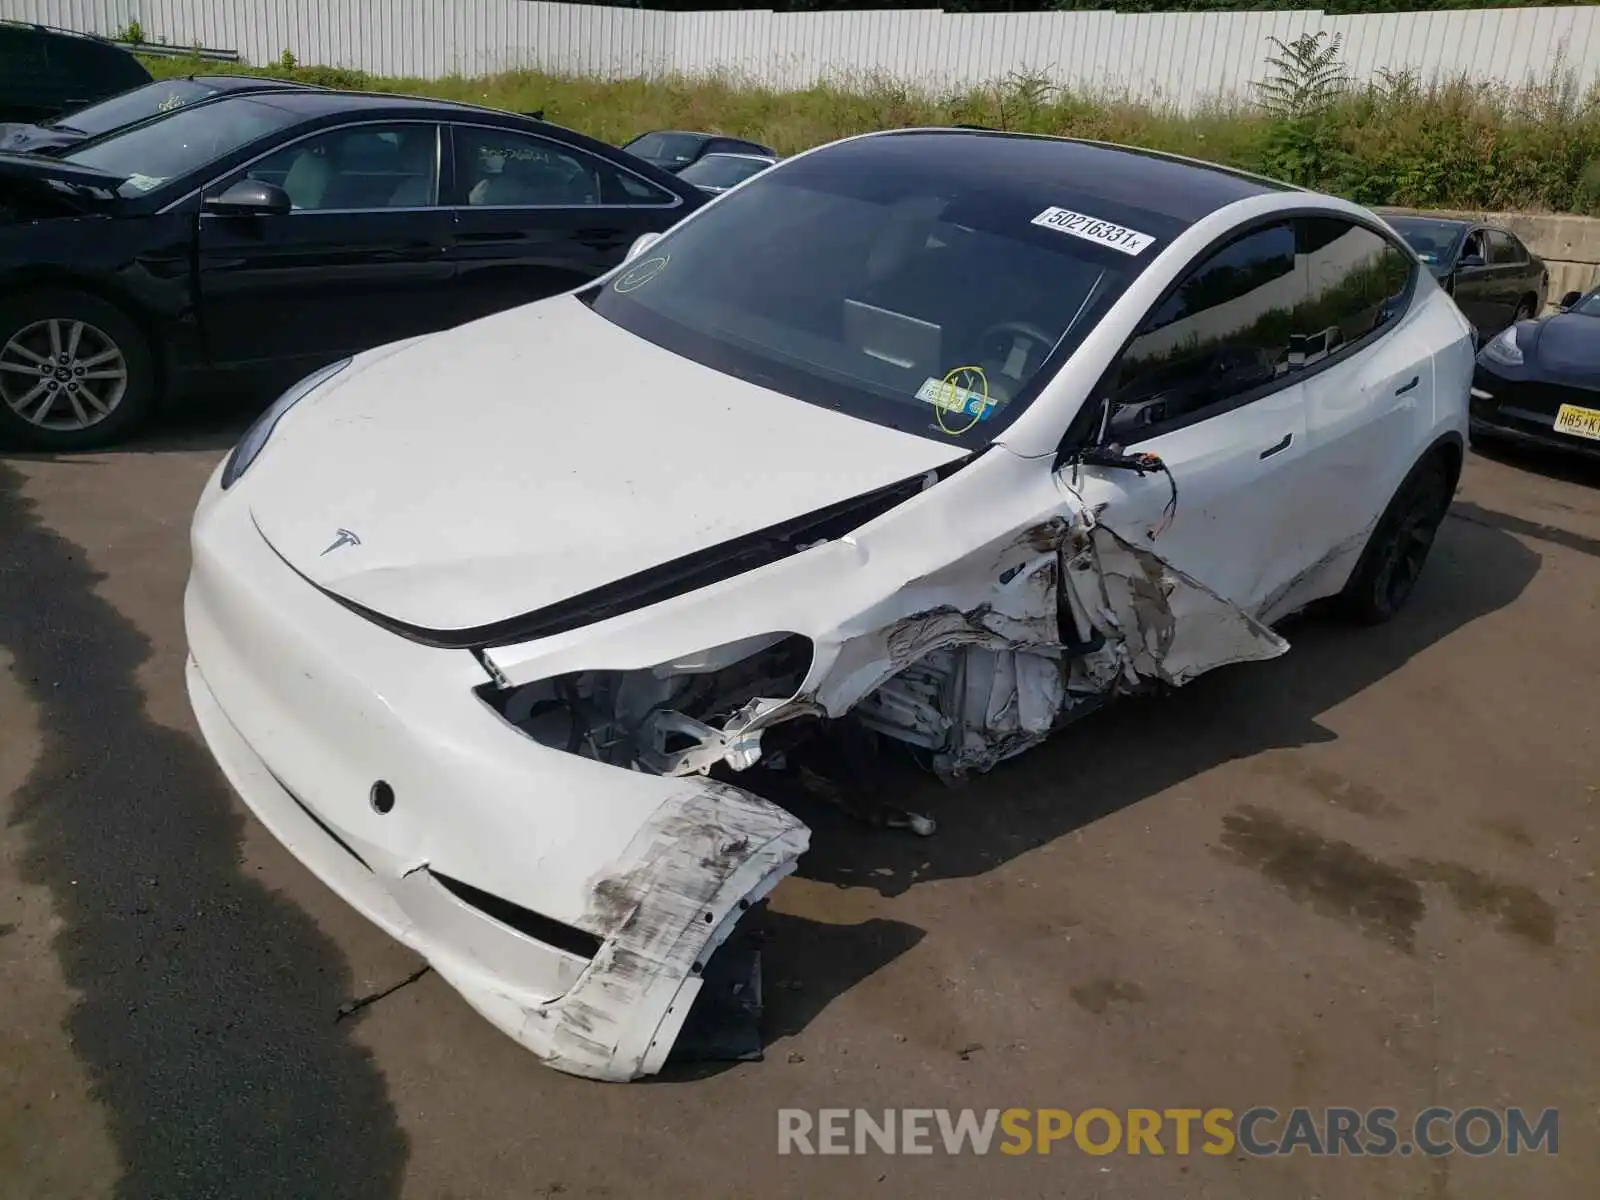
1206	385
1514	275
1475	290
1368	402
535	216
361	260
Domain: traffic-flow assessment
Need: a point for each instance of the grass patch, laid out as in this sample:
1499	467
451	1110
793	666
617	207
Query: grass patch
1456	144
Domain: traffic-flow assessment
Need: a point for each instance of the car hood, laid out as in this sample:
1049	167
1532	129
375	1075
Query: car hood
34	139
38	176
1569	345
520	460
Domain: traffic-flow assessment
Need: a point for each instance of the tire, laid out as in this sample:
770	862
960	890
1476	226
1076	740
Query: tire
1524	311
75	372
1395	554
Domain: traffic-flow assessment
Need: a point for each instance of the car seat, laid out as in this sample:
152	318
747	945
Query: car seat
307	180
417	155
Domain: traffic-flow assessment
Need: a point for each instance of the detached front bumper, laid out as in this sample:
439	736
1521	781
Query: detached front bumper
573	904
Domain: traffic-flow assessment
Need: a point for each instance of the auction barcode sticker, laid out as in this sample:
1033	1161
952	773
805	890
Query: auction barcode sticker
1092	229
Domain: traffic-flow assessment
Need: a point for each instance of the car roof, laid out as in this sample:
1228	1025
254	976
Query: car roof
1181	191
253	83
1425	219
316	102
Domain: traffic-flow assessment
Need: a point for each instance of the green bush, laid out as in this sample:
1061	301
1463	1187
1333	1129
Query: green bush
1455	144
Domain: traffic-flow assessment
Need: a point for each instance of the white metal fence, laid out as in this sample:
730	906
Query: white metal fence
1176	58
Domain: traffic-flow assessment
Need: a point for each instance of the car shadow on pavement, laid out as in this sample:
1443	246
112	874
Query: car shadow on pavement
1137	748
1552	464
206	1003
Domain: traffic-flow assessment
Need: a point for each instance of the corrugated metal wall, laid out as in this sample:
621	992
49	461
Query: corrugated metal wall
1173	57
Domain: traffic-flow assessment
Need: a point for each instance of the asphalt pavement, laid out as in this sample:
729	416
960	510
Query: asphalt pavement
1362	874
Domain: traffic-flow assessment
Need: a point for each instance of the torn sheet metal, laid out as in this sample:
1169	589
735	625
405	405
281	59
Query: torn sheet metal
973	662
685	879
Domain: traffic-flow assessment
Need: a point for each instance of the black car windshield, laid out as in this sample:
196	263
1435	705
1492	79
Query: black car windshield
722	170
890	284
128	107
1434	241
152	155
666	148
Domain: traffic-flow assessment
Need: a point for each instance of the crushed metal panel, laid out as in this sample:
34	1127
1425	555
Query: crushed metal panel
1171	627
675	894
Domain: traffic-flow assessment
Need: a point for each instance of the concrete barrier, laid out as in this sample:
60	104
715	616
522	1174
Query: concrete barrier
1569	246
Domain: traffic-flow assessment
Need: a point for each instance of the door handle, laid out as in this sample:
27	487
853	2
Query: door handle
1283	445
1401	391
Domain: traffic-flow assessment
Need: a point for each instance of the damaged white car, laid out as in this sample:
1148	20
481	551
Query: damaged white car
930	439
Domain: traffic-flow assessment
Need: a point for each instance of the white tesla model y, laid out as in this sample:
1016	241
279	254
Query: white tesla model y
927	439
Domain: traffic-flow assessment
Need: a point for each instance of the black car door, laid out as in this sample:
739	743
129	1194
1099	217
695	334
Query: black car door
360	260
536	216
1511	267
1475	291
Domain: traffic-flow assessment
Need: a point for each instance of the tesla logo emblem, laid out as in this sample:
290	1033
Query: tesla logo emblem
345	538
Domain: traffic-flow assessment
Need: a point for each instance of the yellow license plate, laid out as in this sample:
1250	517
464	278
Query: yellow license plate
1580	422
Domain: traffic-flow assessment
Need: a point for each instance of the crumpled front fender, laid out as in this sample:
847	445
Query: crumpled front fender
704	857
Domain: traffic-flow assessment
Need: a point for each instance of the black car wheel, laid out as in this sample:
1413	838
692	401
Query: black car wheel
1524	312
75	372
1392	562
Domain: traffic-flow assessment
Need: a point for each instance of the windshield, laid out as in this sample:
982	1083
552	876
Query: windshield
666	147
157	153
132	106
1434	241
1589	306
883	284
722	170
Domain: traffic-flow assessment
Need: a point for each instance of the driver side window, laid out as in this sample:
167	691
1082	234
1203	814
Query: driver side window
1223	332
355	169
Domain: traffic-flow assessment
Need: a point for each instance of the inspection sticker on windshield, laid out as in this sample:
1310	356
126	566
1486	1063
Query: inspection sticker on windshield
945	395
1092	229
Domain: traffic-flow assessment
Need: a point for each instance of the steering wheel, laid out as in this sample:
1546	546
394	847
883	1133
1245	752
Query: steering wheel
1016	329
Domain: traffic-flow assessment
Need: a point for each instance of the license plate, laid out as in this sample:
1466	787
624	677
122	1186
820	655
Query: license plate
1579	422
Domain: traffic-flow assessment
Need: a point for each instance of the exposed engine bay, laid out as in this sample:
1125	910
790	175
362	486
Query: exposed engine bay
964	699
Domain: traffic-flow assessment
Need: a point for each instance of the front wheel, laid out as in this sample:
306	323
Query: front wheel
1524	312
1393	560
75	372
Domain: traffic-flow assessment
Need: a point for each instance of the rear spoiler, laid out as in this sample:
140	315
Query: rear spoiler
33	168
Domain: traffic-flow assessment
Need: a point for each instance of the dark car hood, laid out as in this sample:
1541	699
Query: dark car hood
35	139
1569	345
34	186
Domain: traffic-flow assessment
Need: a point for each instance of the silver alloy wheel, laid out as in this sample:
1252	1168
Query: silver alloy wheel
62	374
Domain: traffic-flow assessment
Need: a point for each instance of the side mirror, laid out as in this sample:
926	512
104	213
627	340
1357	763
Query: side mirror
640	244
1570	299
250	198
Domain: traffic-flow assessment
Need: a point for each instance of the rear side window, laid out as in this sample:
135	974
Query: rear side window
1225	331
500	168
1356	282
1505	249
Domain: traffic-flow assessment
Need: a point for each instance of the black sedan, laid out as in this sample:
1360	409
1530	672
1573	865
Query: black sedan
261	236
674	149
129	108
1538	382
1495	279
